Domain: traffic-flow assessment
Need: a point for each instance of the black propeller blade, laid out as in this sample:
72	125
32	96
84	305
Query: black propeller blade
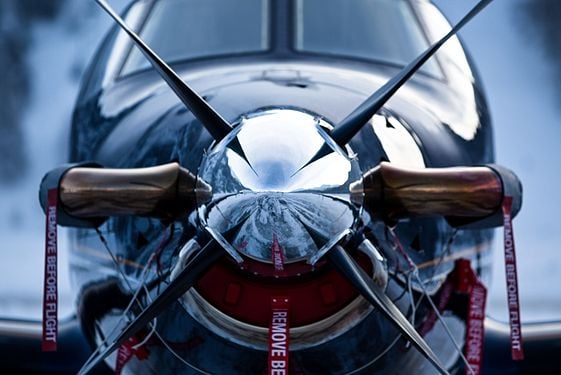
373	294
193	270
351	125
213	122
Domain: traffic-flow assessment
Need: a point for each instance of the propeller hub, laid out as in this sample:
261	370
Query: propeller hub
268	203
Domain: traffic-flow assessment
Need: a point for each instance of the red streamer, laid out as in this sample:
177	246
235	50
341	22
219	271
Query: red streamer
279	336
512	283
50	285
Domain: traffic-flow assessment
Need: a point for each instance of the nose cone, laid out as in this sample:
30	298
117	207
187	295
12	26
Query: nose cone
270	197
277	144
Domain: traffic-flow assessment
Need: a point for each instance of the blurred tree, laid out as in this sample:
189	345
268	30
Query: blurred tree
32	10
544	16
16	20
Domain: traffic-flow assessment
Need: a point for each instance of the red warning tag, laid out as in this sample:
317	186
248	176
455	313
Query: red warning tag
468	283
124	355
475	334
279	334
278	255
512	283
50	285
127	351
464	280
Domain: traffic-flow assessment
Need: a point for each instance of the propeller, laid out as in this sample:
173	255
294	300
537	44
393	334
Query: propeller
351	125
376	296
216	125
219	128
193	270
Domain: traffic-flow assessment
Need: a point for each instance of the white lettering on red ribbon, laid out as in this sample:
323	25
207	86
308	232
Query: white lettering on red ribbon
475	334
124	355
467	282
50	285
277	255
279	332
127	350
512	283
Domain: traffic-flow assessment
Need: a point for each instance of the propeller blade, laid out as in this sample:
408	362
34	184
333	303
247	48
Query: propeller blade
376	296
351	125
212	121
193	270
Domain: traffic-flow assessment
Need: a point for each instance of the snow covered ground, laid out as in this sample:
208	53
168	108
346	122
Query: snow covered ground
522	100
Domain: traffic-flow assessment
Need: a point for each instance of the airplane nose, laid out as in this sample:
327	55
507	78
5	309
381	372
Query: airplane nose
269	194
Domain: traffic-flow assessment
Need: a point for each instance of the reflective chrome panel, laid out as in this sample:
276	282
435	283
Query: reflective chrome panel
256	337
398	143
267	196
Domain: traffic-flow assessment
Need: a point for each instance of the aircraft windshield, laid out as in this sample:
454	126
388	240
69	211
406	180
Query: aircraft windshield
380	30
385	30
181	30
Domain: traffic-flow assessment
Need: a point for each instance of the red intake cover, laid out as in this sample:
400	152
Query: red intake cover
245	294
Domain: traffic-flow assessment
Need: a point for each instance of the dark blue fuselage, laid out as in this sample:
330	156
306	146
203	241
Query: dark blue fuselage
136	121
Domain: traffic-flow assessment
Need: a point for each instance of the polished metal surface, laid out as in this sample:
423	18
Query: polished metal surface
392	192
398	143
267	198
380	300
185	279
257	337
185	254
162	191
379	264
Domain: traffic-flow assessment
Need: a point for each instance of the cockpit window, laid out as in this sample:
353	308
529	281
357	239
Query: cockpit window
188	29
383	30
